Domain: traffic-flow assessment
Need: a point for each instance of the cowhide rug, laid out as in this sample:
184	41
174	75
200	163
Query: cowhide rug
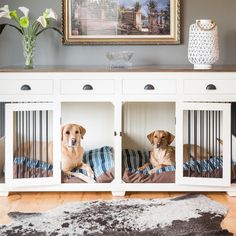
193	215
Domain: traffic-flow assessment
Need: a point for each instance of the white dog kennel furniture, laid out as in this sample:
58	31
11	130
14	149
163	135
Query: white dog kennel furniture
118	109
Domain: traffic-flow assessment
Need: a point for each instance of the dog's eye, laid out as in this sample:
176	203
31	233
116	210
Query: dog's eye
68	132
155	136
76	131
163	137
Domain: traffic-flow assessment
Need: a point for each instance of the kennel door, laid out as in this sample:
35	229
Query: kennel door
32	144
201	158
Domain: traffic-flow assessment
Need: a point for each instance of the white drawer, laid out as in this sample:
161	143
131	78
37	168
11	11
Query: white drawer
26	87
149	86
73	86
209	86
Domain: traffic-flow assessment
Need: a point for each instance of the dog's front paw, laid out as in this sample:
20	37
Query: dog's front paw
153	171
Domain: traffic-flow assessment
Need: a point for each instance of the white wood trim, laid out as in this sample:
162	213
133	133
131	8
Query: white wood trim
226	179
180	97
10	109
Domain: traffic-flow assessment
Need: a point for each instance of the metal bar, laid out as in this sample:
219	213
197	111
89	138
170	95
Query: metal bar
195	141
220	138
207	138
216	144
209	143
17	143
26	142
189	141
201	139
47	141
2	119
20	142
40	142
23	132
34	142
213	142
29	132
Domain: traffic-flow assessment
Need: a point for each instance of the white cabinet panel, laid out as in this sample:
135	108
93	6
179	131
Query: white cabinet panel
149	86
88	87
26	87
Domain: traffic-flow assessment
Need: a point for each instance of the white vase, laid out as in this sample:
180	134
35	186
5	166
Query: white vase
203	47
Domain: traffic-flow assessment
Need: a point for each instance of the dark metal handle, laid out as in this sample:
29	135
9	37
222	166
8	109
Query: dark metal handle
149	87
211	87
88	87
25	87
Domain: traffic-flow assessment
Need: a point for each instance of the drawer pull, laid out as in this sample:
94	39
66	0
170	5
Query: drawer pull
211	87
88	87
149	87
25	87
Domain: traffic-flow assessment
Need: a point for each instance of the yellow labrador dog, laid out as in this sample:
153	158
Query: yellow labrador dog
72	152
162	153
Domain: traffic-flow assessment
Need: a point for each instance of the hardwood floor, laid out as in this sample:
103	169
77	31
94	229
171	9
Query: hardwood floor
33	202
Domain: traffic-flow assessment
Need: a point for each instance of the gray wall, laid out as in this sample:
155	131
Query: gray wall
50	50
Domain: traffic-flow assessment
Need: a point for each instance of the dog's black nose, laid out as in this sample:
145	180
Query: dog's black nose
158	145
73	141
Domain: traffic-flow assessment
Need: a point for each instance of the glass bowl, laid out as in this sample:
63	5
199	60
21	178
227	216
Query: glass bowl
120	59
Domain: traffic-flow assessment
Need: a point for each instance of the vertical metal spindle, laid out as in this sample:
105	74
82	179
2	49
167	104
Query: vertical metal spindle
29	142
1	119
23	141
207	137
17	143
189	141
40	142
26	142
213	142
47	140
201	139
195	142
216	143
34	143
208	171
219	135
20	143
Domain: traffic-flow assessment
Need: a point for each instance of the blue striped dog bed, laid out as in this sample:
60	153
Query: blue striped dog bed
100	159
135	158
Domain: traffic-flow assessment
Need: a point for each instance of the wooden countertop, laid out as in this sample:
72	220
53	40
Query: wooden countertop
62	69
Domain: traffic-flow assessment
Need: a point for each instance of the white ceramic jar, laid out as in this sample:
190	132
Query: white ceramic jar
203	47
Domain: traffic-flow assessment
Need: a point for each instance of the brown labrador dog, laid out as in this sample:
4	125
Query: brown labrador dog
163	154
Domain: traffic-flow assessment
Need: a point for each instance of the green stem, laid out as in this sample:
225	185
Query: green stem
17	21
2	26
35	27
54	28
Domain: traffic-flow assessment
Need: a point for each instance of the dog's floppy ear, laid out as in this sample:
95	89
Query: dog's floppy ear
150	137
82	131
62	129
171	137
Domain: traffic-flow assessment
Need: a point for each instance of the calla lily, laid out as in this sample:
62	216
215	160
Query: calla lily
49	13
24	22
42	21
13	14
4	12
25	11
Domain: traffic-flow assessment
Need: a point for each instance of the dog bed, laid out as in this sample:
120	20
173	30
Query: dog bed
132	159
101	161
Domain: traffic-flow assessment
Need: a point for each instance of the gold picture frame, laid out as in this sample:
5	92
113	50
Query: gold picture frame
121	22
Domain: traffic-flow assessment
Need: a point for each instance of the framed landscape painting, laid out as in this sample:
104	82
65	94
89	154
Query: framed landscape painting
121	22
